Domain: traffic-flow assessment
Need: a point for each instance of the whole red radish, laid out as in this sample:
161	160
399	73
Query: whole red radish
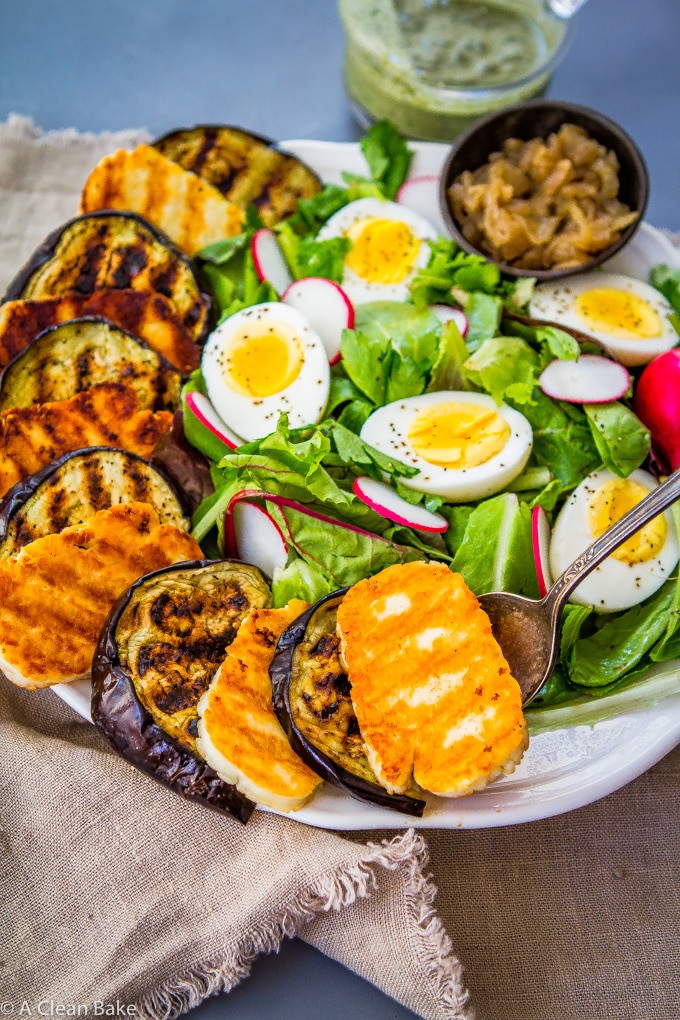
657	405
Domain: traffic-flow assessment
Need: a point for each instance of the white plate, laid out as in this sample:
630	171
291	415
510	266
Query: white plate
563	769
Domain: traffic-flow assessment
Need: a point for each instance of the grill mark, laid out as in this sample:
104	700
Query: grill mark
95	485
89	269
165	278
199	658
133	259
208	143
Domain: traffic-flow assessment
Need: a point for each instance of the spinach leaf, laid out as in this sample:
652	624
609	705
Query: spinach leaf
621	642
483	314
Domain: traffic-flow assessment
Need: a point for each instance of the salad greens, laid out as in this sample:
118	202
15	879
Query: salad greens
401	349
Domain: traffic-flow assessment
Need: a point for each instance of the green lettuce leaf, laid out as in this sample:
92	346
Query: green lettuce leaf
621	439
388	157
504	367
667	281
391	350
495	553
484	316
299	580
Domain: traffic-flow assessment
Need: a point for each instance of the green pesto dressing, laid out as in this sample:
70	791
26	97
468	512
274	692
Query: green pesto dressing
433	66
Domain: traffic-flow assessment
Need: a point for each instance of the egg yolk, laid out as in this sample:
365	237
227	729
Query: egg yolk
383	251
618	313
458	435
608	505
263	359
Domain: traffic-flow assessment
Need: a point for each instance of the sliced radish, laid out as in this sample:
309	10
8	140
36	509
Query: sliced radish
269	262
540	539
385	501
445	313
421	194
256	538
591	379
326	308
201	408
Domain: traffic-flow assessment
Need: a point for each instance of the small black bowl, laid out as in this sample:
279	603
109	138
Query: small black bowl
538	118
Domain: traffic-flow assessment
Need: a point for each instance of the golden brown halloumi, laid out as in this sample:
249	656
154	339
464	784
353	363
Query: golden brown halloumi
146	315
55	595
105	415
432	693
238	732
188	209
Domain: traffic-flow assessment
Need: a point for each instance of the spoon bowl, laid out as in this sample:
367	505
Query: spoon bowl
528	630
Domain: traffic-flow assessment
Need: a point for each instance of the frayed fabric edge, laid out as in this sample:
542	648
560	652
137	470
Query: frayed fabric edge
19	127
333	891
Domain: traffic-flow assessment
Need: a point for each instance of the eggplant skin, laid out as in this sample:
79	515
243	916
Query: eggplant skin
129	727
118	250
73	356
247	169
326	704
74	487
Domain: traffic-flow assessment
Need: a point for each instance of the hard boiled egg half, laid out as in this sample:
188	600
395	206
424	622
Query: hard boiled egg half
636	569
463	444
389	246
261	362
631	319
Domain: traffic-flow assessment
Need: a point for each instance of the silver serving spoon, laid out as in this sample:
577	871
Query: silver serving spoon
528	631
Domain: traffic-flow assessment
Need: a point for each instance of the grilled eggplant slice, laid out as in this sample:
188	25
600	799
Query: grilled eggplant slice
77	355
246	168
113	250
311	697
174	632
157	654
73	488
151	317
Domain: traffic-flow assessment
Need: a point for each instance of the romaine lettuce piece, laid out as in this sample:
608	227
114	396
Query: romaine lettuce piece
495	553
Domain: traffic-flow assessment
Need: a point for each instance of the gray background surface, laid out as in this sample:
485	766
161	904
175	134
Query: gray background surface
275	66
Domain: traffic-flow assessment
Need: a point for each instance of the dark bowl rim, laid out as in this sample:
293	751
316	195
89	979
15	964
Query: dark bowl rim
624	140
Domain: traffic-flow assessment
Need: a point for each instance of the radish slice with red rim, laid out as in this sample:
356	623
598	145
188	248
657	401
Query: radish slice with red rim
201	408
540	540
591	379
268	260
255	537
326	308
389	504
446	313
421	195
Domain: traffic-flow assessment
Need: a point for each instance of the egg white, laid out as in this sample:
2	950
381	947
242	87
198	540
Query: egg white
555	302
614	585
387	429
304	400
359	290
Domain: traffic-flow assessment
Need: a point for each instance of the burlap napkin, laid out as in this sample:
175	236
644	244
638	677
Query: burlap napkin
113	888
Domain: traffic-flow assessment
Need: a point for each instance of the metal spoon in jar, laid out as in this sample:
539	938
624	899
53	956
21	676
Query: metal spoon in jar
528	631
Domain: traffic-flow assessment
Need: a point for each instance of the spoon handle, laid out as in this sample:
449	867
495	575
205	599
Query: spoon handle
646	510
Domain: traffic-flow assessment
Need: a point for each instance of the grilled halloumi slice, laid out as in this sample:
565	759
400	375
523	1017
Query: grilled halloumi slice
105	415
56	593
238	732
433	695
149	316
188	209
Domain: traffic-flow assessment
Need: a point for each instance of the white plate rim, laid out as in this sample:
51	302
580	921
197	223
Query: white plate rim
645	734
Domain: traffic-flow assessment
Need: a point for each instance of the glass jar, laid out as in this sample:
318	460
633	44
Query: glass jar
434	66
